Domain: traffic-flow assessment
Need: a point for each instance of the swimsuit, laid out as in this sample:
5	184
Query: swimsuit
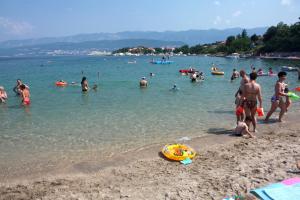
26	101
251	104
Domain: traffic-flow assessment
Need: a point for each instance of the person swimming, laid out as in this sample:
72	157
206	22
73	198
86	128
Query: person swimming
270	71
260	71
84	84
25	94
174	88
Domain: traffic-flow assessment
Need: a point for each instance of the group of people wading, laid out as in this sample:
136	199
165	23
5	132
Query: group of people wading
20	89
249	101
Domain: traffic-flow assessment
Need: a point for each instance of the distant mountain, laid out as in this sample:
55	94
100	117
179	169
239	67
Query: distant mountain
190	37
83	48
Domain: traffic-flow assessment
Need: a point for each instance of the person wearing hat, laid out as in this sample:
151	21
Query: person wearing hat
143	82
3	95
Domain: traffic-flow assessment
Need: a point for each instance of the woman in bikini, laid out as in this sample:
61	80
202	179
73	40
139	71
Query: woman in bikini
278	98
25	94
251	93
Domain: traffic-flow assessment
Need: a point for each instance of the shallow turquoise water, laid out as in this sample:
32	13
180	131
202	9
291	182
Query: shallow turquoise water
119	115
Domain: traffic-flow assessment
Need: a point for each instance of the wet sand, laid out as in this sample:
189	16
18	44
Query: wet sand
225	165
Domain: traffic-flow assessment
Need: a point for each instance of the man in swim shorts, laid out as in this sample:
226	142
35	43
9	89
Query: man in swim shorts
278	99
251	93
25	94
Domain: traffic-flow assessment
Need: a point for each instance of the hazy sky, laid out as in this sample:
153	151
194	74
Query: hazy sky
40	18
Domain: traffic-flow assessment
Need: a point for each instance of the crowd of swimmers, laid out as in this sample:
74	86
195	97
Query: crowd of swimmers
249	101
248	96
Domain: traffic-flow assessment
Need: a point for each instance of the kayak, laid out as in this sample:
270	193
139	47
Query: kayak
178	152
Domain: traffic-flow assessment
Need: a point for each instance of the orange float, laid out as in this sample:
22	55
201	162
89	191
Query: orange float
61	83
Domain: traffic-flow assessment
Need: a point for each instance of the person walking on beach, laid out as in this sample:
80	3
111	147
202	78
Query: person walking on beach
143	82
84	84
278	99
3	95
251	93
25	94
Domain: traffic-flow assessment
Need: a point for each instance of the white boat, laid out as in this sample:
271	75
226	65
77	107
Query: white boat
288	69
234	55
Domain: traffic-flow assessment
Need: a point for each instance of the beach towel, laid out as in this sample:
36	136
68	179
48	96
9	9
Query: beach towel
260	192
291	181
291	192
277	194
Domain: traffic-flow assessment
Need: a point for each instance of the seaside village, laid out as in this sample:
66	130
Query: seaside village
95	105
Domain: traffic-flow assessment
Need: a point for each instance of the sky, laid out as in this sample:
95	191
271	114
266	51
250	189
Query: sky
21	19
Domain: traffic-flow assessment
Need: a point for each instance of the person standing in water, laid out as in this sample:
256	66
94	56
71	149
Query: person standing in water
235	74
251	93
17	89
244	80
143	82
278	99
25	94
84	84
3	95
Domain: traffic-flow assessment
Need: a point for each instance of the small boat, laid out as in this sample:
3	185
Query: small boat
234	55
162	62
217	73
178	152
288	69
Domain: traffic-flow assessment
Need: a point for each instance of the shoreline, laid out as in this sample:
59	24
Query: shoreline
226	165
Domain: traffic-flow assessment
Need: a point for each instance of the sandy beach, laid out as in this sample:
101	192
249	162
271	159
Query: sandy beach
225	165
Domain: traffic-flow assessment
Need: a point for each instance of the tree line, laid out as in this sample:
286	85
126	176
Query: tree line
280	38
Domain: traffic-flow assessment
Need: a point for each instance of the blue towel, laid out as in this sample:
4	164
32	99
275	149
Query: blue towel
260	193
186	161
284	193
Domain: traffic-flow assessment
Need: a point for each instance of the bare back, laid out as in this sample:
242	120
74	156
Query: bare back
252	90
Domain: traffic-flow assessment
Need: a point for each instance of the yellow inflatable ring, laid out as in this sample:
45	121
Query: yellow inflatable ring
217	73
178	152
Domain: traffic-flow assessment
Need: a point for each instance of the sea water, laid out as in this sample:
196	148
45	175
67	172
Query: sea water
63	122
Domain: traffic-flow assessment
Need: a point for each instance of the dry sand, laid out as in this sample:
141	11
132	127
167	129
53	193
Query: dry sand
225	165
